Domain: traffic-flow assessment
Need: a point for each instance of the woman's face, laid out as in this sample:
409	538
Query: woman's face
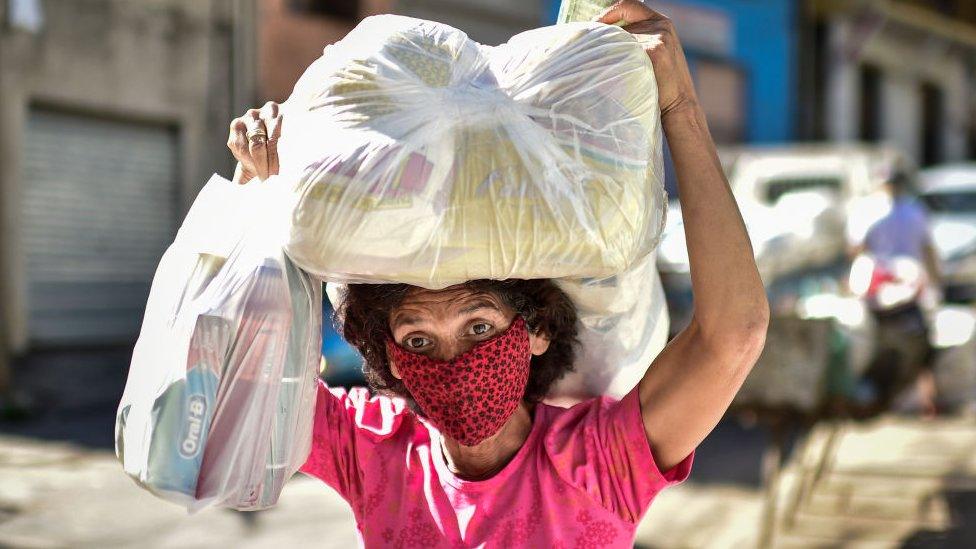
443	324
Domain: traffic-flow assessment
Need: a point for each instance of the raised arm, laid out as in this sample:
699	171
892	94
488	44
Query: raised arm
690	385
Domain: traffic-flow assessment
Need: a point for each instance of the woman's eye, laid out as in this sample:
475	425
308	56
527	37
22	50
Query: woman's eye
416	342
481	328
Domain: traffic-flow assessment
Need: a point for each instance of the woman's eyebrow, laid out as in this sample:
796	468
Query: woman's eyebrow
478	305
405	320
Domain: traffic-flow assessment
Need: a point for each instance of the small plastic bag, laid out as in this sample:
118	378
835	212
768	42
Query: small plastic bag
218	404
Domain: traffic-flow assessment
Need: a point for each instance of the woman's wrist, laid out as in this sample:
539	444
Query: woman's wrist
681	109
683	118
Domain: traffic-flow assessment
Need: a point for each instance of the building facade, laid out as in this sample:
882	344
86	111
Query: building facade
743	57
114	115
771	71
897	72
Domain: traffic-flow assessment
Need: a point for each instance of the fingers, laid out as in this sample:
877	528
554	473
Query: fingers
270	117
651	31
237	143
241	175
627	11
272	122
253	139
647	27
257	142
656	36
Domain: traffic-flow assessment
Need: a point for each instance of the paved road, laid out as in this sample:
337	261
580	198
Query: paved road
60	485
55	495
890	483
60	495
894	482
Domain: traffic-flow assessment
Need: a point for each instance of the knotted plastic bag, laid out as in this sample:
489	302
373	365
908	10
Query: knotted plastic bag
419	156
219	399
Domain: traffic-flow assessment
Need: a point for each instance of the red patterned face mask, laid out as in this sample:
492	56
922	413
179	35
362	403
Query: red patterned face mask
470	397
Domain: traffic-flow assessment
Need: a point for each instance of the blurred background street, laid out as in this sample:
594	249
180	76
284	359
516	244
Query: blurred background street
114	113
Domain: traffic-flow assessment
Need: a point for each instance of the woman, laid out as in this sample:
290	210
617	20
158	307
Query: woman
496	467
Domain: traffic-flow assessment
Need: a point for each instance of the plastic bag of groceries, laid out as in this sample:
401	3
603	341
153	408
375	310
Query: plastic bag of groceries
419	156
219	400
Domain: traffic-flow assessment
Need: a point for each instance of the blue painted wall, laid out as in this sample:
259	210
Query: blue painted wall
765	44
551	12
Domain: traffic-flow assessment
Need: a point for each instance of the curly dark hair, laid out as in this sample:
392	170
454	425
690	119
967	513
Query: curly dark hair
363	319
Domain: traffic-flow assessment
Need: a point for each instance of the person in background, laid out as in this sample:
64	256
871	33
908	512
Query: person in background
904	233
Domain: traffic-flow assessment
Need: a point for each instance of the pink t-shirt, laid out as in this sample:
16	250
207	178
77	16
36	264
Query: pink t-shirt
584	477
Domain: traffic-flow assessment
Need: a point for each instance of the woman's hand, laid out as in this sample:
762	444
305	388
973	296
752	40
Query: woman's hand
253	140
676	90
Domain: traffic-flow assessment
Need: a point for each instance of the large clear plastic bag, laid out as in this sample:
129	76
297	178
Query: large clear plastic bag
218	405
419	156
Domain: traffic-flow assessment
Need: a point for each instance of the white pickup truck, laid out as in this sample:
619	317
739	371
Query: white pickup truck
803	206
949	192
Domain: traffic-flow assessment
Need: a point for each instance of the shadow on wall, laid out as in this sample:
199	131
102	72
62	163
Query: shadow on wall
69	395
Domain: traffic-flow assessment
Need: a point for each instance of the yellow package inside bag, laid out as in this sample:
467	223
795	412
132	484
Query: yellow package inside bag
420	156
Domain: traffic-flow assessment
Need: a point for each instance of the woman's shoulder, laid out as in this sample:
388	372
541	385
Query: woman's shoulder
577	408
596	418
564	420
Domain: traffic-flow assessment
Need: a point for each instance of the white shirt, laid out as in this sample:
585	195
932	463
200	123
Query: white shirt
903	232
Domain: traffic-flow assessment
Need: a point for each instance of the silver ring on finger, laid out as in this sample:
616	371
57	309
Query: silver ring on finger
257	135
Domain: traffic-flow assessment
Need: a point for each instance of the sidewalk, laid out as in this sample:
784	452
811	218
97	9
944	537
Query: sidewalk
56	495
894	482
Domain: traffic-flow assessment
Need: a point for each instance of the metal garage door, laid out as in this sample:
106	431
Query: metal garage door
99	209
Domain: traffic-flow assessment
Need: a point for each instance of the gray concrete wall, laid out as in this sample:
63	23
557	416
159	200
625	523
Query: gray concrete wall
164	61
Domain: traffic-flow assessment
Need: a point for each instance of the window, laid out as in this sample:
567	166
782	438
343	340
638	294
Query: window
721	93
972	131
951	201
344	9
778	188
821	71
946	7
932	123
870	123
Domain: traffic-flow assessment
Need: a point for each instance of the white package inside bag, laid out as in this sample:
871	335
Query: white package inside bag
218	404
419	156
